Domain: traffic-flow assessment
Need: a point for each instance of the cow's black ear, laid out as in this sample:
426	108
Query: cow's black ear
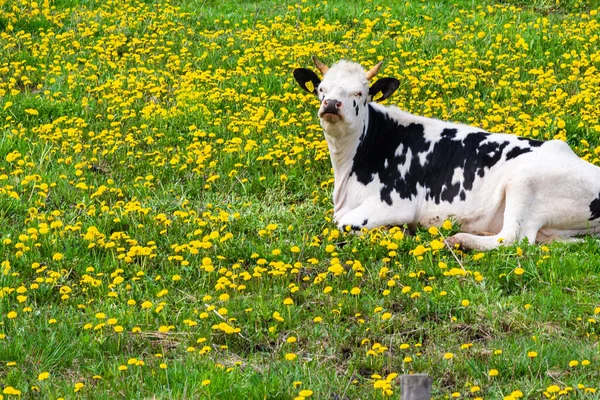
307	79
383	88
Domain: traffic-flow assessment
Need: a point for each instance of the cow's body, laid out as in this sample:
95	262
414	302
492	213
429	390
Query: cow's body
395	168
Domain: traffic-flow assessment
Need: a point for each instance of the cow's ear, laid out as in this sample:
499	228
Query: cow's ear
307	79
383	88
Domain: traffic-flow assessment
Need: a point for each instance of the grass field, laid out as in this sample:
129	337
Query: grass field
165	204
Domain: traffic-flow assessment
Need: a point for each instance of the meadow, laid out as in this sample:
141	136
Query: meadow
165	204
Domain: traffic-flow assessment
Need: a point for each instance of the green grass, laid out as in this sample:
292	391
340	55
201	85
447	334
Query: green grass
165	203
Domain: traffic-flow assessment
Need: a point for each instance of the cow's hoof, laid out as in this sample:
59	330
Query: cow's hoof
454	242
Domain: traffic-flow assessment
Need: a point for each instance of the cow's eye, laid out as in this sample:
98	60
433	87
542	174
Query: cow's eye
358	94
321	90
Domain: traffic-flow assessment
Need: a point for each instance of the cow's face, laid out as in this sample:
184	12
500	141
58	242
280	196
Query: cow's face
344	91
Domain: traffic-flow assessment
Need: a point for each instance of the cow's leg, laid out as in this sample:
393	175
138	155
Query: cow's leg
373	213
519	222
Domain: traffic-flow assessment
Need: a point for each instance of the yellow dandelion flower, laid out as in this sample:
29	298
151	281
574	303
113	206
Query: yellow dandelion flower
519	271
288	302
553	389
11	390
43	376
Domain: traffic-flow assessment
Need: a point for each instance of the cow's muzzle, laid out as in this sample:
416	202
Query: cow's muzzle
330	110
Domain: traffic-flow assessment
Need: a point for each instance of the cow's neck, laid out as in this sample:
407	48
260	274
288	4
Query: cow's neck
342	141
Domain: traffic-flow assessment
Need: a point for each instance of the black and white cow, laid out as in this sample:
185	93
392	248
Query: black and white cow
394	168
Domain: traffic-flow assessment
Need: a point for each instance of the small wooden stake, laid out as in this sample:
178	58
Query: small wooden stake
415	387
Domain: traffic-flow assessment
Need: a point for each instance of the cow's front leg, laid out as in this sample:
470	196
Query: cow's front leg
373	214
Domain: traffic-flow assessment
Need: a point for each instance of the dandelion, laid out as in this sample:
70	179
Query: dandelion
355	291
43	376
532	354
437	244
146	304
448	356
493	372
290	356
288	302
11	390
519	271
553	389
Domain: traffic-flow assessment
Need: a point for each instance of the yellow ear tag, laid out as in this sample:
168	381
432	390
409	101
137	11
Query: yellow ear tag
377	96
310	86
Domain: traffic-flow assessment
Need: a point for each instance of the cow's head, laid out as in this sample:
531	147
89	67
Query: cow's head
345	90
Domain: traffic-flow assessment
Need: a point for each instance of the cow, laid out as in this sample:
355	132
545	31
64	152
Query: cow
393	168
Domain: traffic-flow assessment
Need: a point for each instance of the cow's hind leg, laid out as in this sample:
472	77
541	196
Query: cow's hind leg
519	222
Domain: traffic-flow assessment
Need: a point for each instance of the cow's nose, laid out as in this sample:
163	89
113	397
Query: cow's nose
332	106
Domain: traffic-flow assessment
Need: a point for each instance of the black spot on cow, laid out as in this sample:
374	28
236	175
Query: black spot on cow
388	147
365	222
517	151
595	208
356	107
531	142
